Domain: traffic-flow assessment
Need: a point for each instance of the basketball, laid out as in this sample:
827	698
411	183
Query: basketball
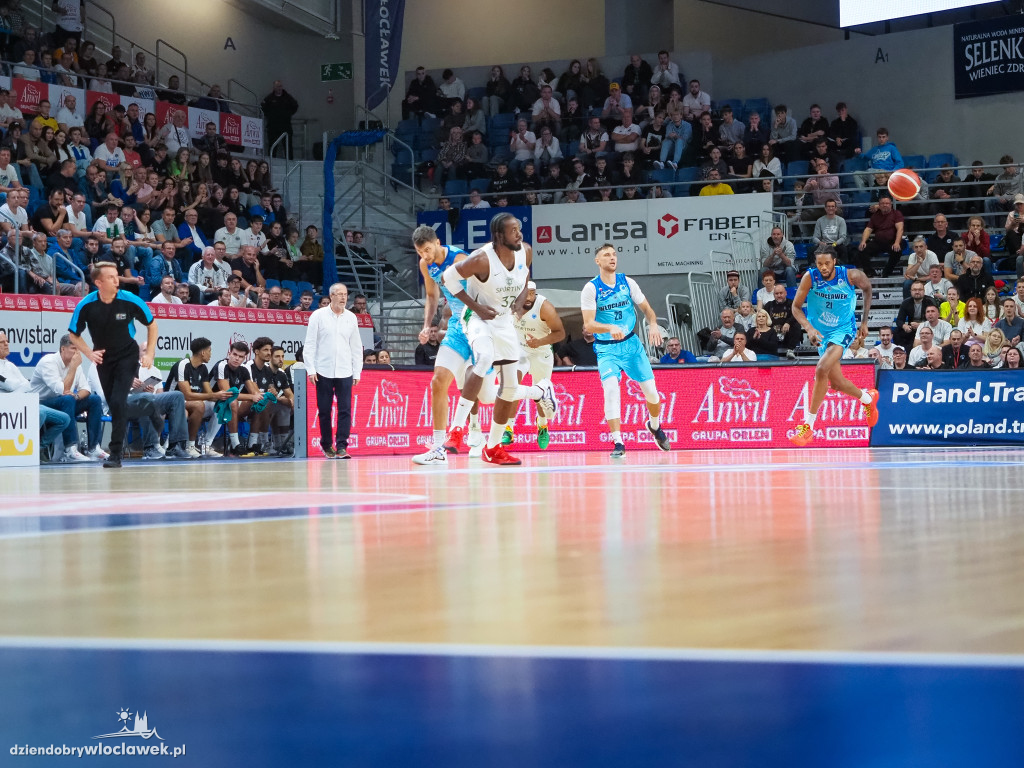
904	184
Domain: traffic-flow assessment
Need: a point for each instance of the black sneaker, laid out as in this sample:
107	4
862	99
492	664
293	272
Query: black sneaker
660	437
330	453
258	450
618	451
113	461
240	451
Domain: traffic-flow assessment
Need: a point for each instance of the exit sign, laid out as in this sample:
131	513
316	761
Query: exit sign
340	71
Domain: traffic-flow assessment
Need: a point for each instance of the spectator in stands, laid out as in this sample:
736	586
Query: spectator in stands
886	225
715	185
977	240
547	151
918	267
952	309
426	353
936	285
475	201
767	162
885	346
766	292
1014	238
553	186
247	267
40	271
740	166
939	328
992	349
675	354
499	90
957	259
1005	188
761	337
954	354
452	89
975	280
522	145
745	316
593	141
207	275
844	132
822	149
615	104
814	126
570	82
975	324
884	156
911	315
166	265
940	242
830	229
165	294
730	131
779	256
739	352
945	190
823	186
705	138
51	422
1018	297
666	73
783	134
924	343
720	340
976	354
933	360
755	135
546	111
644	112
1011	324
990	303
574	120
975	188
524	92
788	331
899	358
675	140
695	103
451	158
733	293
61	384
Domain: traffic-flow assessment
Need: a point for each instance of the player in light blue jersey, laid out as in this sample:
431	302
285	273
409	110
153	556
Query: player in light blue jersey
830	291
609	304
454	357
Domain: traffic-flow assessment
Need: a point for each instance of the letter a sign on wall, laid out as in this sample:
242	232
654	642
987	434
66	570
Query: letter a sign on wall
382	20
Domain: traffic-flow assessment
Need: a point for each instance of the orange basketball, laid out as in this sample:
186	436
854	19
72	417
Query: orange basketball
904	184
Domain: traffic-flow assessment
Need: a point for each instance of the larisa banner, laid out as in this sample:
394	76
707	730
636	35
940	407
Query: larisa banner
988	57
950	408
34	325
664	236
714	407
382	24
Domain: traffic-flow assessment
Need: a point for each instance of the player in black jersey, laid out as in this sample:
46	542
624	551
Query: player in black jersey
231	372
191	377
284	409
261	377
109	314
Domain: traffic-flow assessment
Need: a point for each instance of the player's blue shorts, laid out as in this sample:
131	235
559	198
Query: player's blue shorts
455	339
841	337
626	356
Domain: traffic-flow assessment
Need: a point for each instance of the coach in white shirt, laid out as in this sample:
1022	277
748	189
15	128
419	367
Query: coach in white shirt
333	355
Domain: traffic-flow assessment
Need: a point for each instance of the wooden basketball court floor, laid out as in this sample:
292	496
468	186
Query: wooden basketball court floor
823	607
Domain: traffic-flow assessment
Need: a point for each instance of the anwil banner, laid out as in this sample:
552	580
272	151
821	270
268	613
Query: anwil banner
34	325
988	57
702	408
240	130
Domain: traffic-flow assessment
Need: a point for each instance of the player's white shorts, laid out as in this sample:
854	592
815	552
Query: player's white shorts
501	332
539	363
451	360
208	412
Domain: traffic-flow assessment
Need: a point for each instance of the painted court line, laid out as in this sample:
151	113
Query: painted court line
726	655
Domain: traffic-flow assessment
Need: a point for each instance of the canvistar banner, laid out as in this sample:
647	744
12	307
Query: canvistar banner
664	236
988	57
34	325
714	407
950	408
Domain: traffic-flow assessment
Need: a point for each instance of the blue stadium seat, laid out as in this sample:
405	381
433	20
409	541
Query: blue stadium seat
407	129
936	161
803	250
477	94
797	168
761	105
856	163
684	179
456	188
430	126
481	184
995	241
663	176
736	104
500	124
273	284
428	155
917	162
290	285
301	286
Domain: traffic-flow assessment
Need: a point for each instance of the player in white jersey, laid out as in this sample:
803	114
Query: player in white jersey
539	328
495	289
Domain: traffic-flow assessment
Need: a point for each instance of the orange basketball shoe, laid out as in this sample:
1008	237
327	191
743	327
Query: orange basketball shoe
871	409
804	435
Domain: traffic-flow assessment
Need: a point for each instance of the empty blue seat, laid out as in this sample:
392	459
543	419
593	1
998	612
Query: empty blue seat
500	124
303	285
762	106
480	184
941	158
477	94
290	285
273	284
918	162
430	125
663	176
684	178
456	188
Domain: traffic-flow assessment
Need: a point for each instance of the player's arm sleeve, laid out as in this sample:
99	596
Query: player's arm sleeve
634	291
77	324
139	307
588	297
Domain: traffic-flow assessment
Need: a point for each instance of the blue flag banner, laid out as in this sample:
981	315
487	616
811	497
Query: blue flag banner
947	408
382	25
988	57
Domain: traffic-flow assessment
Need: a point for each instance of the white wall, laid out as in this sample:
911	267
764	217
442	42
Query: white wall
903	81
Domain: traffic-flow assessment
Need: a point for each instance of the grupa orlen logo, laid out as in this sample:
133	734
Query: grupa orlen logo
668	226
544	234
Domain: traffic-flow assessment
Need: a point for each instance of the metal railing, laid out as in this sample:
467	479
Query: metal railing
74	268
290	184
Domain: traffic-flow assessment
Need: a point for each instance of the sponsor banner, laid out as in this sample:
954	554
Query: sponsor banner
198	118
231	128
110	99
382	26
664	236
165	112
59	100
715	407
26	95
252	132
916	408
988	57
474	227
35	324
19	429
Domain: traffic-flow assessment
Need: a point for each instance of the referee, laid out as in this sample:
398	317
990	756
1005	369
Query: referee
110	314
